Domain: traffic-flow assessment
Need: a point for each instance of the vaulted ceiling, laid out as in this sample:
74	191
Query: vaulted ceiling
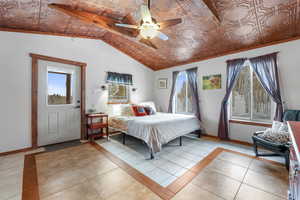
243	23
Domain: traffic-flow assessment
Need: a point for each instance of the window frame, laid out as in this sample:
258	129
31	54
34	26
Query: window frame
69	88
186	97
251	119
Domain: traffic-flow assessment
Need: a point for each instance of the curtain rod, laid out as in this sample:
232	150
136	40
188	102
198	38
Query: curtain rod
276	52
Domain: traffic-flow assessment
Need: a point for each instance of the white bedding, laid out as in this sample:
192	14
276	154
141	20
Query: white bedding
161	128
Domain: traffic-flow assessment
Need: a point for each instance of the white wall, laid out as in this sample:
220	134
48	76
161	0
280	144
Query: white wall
15	78
210	100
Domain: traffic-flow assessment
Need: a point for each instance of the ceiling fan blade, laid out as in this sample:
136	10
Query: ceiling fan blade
145	13
162	36
170	22
148	43
127	26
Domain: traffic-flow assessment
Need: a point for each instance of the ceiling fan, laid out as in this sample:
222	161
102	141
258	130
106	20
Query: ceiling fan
149	28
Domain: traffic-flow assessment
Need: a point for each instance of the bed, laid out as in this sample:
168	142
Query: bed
155	130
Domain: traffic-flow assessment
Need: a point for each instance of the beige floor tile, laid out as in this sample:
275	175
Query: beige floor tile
17	197
78	192
235	158
12	162
60	181
193	192
10	190
98	168
271	184
136	191
53	166
218	184
11	179
112	182
268	168
227	168
84	160
250	193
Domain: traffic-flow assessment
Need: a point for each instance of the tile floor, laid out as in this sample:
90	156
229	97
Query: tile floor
11	175
82	172
173	160
234	177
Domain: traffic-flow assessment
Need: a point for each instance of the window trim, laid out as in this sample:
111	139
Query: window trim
251	121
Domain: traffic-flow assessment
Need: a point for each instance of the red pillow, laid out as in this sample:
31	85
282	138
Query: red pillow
138	110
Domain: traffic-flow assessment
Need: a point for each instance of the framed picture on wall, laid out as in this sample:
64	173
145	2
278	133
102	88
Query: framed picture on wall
163	83
212	82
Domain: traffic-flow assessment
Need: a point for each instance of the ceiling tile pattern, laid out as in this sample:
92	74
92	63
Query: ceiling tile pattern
243	23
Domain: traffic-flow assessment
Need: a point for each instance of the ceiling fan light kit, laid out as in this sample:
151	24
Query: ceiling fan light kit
149	28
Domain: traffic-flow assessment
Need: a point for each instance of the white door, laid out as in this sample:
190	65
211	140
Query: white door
58	102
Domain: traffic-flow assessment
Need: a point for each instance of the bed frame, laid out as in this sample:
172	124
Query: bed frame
150	150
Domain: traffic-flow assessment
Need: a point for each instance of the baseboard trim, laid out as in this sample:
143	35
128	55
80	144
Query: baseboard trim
230	140
17	151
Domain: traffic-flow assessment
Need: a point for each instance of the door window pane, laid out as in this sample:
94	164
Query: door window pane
261	101
59	88
241	95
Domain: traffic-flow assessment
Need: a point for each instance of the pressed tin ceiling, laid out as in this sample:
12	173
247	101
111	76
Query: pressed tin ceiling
243	24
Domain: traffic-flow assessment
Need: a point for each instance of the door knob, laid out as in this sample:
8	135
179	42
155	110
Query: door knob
77	107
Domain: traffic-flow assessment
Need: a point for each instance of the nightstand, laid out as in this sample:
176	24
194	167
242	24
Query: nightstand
96	123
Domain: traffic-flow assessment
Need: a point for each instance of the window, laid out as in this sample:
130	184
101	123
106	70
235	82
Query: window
183	93
249	100
59	88
118	93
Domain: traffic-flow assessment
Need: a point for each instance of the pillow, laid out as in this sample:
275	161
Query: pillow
138	110
276	125
150	104
275	136
127	111
149	110
283	128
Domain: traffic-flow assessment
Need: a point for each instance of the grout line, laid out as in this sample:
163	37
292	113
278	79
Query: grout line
242	182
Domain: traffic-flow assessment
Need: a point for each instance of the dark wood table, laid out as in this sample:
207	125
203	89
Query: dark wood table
96	123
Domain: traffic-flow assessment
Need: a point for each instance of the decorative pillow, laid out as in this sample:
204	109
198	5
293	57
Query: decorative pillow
283	128
150	104
149	110
276	125
138	110
127	111
275	136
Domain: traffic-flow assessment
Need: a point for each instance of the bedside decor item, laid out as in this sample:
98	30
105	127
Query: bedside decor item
91	110
163	83
212	82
